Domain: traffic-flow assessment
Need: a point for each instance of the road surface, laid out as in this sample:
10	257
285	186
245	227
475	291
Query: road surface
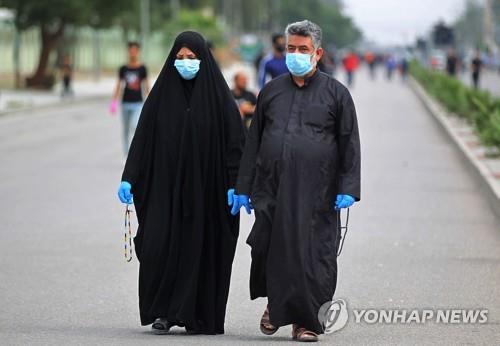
423	236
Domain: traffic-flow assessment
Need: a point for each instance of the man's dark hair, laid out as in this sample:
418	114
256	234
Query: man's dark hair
276	37
133	44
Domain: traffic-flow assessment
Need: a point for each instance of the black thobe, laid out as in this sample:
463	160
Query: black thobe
184	157
302	150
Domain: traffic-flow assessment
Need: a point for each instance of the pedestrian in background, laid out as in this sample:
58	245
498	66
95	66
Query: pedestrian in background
390	65
245	99
403	68
67	76
133	85
476	67
273	65
451	62
301	164
370	59
327	63
183	158
351	63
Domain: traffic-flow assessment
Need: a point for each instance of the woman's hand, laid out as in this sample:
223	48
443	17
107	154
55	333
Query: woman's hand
124	193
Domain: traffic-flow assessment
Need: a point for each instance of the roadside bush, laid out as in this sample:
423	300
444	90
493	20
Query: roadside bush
478	107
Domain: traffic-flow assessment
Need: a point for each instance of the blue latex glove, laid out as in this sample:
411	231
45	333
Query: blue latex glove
238	201
343	201
124	193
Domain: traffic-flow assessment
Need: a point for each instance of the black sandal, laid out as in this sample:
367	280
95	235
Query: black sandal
266	327
161	326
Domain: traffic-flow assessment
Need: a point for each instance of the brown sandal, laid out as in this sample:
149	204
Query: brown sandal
303	335
266	327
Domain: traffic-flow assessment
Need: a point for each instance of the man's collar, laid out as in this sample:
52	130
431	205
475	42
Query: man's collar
307	80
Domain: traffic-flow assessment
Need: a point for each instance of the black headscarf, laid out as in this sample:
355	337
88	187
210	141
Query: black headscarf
184	156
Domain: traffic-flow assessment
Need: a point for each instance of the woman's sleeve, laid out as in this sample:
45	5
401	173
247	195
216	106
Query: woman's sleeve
235	140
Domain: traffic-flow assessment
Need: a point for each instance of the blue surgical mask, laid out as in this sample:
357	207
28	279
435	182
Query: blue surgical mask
187	68
299	64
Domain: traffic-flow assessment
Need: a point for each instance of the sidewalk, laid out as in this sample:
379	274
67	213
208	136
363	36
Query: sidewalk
21	100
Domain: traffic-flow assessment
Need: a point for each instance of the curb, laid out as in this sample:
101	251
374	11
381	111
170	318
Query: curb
50	105
482	173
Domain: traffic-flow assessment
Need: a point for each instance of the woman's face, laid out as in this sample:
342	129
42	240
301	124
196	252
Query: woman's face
185	53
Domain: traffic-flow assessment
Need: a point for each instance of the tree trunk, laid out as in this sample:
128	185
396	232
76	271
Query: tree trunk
48	41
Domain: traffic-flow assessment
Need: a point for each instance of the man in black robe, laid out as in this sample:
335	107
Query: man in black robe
184	157
300	165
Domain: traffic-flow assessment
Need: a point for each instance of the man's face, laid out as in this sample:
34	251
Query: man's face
303	45
133	52
240	81
279	44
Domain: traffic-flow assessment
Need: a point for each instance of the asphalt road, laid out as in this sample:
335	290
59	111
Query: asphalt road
423	236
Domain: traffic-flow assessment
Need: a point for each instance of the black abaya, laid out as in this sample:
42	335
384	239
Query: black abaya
183	158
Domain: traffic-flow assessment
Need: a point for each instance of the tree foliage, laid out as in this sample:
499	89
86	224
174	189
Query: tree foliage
338	29
29	13
197	20
273	15
52	17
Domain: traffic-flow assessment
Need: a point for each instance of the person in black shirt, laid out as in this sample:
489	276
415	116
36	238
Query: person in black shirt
245	99
133	80
476	66
451	63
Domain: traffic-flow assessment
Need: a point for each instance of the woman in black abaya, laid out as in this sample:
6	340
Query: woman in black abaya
183	158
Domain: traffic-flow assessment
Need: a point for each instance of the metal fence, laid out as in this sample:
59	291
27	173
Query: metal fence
91	50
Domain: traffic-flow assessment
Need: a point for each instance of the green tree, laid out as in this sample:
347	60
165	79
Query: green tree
469	26
197	20
273	15
52	17
338	29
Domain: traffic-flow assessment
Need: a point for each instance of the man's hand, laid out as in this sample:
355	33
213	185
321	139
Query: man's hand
247	108
343	201
238	201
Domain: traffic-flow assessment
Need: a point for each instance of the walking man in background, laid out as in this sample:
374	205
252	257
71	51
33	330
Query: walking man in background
351	63
476	66
274	64
300	165
451	63
133	84
67	76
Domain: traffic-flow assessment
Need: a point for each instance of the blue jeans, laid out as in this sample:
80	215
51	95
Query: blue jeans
131	111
